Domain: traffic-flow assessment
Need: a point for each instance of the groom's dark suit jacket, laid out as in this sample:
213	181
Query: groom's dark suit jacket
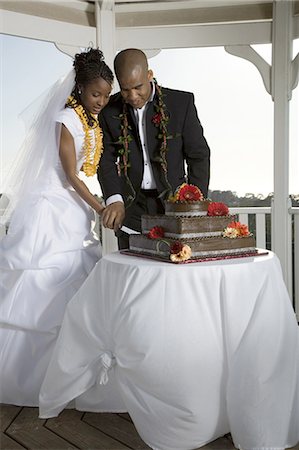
188	156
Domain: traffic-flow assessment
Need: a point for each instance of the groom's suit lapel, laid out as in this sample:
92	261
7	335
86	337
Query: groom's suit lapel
135	145
134	126
133	119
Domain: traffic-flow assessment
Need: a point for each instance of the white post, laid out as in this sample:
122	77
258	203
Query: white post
105	33
105	29
281	93
279	80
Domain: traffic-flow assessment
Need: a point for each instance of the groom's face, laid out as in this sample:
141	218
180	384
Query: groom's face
136	87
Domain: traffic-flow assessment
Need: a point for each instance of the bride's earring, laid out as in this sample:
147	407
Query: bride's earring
79	91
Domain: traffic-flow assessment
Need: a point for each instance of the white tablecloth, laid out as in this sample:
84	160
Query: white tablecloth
196	351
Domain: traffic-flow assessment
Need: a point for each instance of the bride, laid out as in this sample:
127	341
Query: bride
50	247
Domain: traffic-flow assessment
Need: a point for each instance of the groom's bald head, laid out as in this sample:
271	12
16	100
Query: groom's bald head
133	76
128	61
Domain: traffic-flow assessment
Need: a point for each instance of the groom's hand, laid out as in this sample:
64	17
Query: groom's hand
113	216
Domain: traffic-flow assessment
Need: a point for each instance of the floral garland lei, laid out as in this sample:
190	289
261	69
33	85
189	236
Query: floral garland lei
160	119
93	142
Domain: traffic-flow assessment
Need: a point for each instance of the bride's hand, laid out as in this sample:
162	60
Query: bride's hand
100	210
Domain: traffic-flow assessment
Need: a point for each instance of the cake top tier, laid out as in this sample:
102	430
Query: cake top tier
188	201
187	193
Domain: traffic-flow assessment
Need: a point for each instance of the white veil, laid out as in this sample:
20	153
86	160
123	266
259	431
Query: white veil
39	151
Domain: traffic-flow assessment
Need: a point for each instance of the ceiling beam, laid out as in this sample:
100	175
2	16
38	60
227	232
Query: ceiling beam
148	37
160	17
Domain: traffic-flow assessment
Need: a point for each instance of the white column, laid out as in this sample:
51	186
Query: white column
105	34
281	93
279	80
105	29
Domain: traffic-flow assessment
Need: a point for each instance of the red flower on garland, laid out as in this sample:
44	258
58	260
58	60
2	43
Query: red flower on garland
217	209
240	227
189	193
155	233
156	119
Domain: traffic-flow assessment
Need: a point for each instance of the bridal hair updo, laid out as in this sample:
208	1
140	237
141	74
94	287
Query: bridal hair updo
89	66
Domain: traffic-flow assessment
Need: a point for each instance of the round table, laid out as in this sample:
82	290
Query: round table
191	351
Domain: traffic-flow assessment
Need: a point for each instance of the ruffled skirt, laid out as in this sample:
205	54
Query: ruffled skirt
44	259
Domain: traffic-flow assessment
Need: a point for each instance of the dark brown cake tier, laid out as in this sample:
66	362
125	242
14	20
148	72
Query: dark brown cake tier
201	248
185	209
187	227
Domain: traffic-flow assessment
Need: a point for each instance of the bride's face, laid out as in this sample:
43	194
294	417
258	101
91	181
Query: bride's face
95	95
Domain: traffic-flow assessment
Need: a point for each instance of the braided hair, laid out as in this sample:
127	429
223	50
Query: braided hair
89	66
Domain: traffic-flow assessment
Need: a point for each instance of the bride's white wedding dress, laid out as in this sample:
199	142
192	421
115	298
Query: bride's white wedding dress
48	252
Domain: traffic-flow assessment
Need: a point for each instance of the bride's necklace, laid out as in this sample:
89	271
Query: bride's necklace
93	140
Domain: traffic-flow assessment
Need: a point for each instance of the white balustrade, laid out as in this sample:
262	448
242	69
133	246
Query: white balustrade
261	233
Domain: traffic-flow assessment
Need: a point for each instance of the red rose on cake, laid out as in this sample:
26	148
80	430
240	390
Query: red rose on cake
218	209
155	233
187	193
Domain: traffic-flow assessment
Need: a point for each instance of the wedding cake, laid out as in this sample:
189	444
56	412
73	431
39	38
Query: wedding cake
192	228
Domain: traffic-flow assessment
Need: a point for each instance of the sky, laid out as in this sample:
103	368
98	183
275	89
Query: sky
233	106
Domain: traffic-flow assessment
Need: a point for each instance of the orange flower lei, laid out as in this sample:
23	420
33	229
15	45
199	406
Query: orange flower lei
93	141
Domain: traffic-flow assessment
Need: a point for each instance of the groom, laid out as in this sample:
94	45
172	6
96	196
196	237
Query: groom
151	136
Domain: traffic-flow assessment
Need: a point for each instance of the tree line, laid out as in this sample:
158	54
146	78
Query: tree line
231	199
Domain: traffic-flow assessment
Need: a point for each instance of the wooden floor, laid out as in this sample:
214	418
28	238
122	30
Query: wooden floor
21	429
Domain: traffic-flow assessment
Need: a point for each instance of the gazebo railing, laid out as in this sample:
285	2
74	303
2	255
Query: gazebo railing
258	227
259	221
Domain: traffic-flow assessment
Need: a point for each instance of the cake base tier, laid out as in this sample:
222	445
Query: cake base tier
213	247
259	252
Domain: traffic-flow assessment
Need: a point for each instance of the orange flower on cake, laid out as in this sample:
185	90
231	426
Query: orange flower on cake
180	252
236	229
217	209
